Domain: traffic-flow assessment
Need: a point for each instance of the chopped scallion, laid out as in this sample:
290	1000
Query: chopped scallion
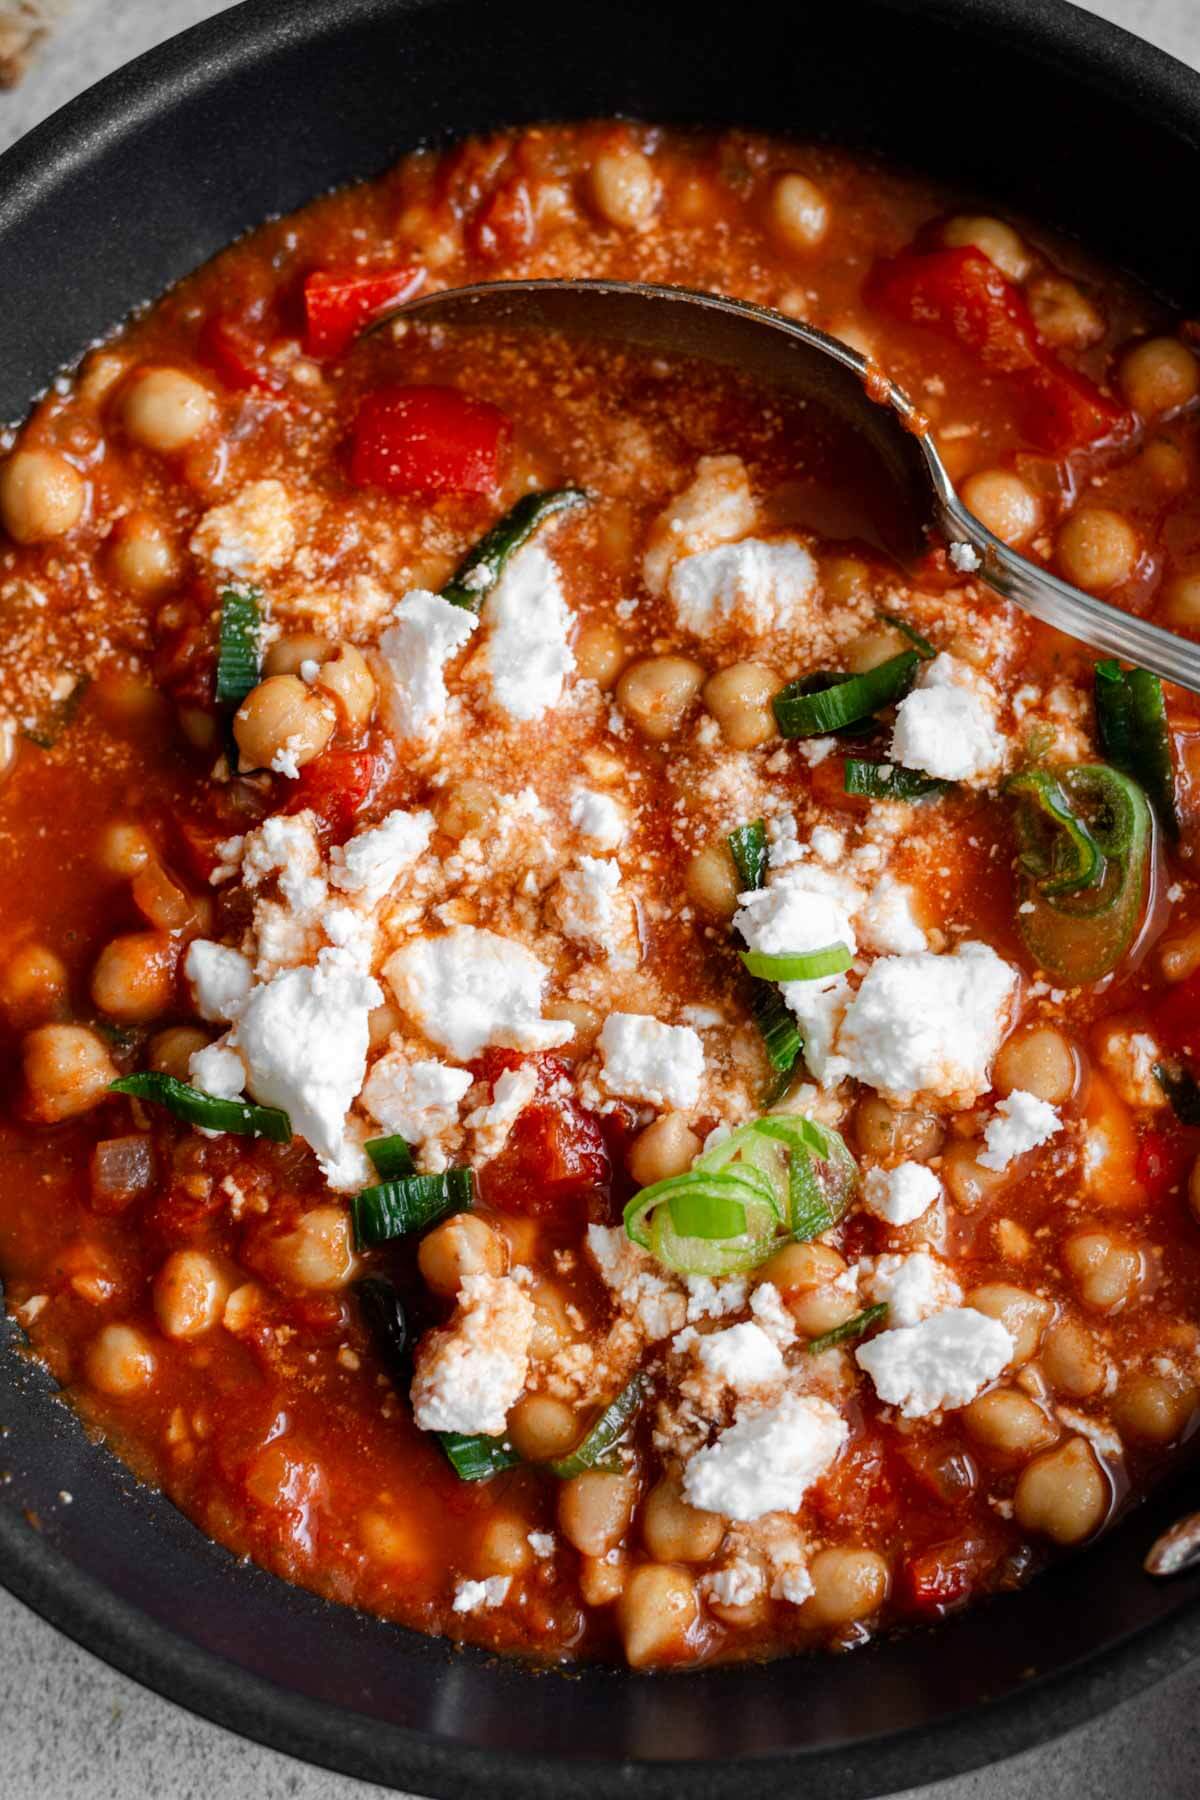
391	1157
748	847
888	781
383	1311
844	700
1182	1090
924	649
612	1425
241	1117
848	1329
410	1203
239	648
698	1212
1057	847
777	1028
477	1458
801	965
1131	714
482	567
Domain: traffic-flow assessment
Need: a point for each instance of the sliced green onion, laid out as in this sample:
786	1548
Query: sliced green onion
482	567
848	1329
924	649
47	734
1131	714
383	1311
1065	859
1182	1091
395	1208
241	1117
477	1458
748	847
845	699
822	1174
391	1157
612	1425
1114	713
777	1028
239	651
801	965
888	781
697	1212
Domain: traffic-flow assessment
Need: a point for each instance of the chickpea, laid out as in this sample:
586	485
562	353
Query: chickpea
601	1578
1038	1060
625	189
318	1254
1126	1056
41	496
286	654
466	809
1159	375
504	1547
875	646
67	1071
1107	1270
33	985
656	1613
1166	465
970	1184
134	977
711	881
123	848
1155	1408
998	242
584	1018
142	558
552	1329
1063	1493
1179	957
848	1584
739	699
382	1022
1006	504
190	1291
845	579
172	1050
1063	314
282	717
164	409
461	1246
1071	1361
392	1538
119	1361
673	1530
346	676
1097	549
667	1147
1023	1315
891	1134
542	1427
1181	602
798	212
656	692
161	900
805	1275
595	1510
1008	1421
600	654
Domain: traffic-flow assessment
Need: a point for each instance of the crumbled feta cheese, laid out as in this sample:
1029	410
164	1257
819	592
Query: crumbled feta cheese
900	1195
715	508
708	1299
755	586
818	1008
767	1460
250	534
219	979
965	558
913	1287
815	750
471	987
802	908
639	1285
541	1543
304	1038
425	632
827	844
766	1303
480	1596
886	923
527	651
511	1094
946	726
417	1100
926	1023
942	1362
218	1070
286	845
742	1355
736	1585
647	1060
286	760
470	1373
599	817
592	908
369	864
1020	1122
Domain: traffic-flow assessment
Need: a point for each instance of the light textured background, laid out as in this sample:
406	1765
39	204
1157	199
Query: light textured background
71	1726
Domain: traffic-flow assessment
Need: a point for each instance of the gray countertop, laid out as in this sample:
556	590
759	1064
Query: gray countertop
71	1726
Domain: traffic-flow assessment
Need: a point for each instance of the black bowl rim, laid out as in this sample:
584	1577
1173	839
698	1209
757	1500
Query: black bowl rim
94	1617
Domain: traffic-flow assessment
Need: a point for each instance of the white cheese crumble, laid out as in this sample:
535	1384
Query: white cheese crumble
913	1286
737	1584
647	1060
541	1543
250	534
886	923
219	1071
708	1299
741	1355
424	633
511	1094
926	1023
471	987
767	1460
715	508
593	909
755	586
804	908
527	651
480	1596
900	1195
417	1099
370	863
599	817
638	1284
942	1362
947	726
219	979
468	1375
1020	1123
964	557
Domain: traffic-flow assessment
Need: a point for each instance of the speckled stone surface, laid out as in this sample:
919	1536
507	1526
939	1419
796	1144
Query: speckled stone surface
70	1726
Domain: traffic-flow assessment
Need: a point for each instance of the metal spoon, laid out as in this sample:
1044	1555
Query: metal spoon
798	358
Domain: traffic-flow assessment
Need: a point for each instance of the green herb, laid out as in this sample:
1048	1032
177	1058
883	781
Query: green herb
612	1425
477	1458
1182	1090
748	848
777	1028
849	1329
46	735
383	1310
845	699
800	965
1057	848
241	1117
1131	714
239	647
924	649
412	1202
390	1157
482	567
889	781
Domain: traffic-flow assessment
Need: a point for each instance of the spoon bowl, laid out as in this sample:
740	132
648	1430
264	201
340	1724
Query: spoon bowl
915	496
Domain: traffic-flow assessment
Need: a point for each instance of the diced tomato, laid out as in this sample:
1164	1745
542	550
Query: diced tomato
858	1487
504	224
233	352
334	787
338	303
1063	409
1162	1162
555	1160
936	1580
200	842
1175	1021
427	440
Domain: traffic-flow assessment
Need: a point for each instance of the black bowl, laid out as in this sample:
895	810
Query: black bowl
127	189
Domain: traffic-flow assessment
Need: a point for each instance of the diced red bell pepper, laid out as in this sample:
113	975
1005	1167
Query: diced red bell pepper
338	303
334	786
936	1580
427	440
1063	409
1163	1160
232	351
1175	1020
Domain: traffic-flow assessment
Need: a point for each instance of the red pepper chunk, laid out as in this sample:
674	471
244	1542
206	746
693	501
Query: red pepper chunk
338	303
427	440
232	351
937	1580
554	1162
334	787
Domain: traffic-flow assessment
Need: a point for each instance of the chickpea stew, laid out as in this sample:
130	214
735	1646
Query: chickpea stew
594	1067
